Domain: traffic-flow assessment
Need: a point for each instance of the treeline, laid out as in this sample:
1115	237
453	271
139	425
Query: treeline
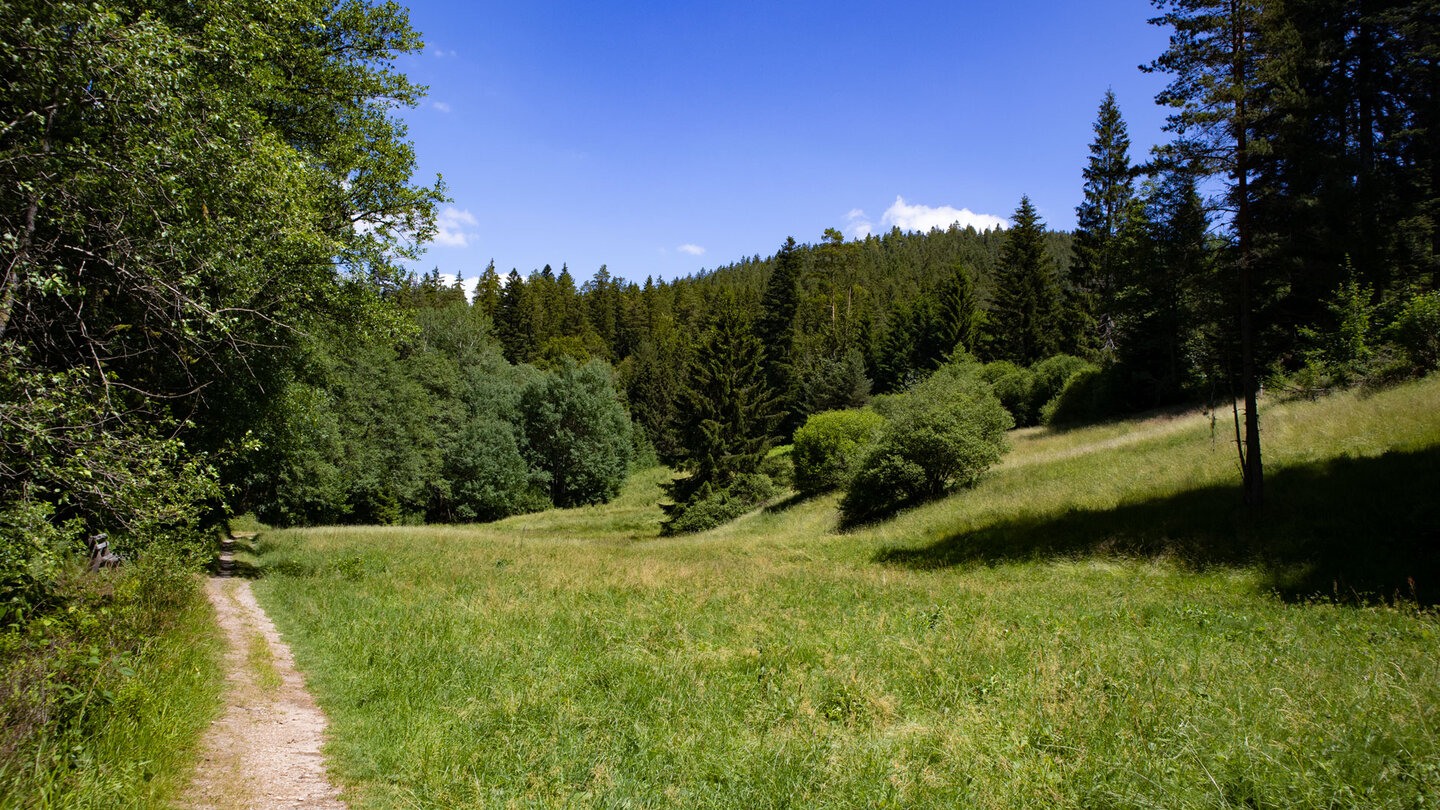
433	424
879	312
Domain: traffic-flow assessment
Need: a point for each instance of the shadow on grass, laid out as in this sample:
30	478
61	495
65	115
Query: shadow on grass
224	564
1348	528
786	504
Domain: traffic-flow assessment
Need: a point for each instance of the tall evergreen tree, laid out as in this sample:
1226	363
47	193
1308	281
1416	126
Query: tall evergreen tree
730	408
1099	252
1158	305
776	328
1218	54
895	353
487	292
513	321
1026	318
957	316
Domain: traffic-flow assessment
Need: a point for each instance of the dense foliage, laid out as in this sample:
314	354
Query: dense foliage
829	446
185	190
576	434
182	189
436	425
944	433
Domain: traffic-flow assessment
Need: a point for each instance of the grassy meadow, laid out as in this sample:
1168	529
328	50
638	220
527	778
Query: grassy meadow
1097	624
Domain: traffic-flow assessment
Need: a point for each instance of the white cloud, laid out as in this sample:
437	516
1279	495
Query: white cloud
450	227
441	53
693	250
922	218
857	225
468	285
441	106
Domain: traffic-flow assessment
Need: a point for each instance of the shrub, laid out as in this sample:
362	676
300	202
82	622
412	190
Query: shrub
945	433
709	508
1013	386
1417	330
1051	376
1025	392
577	435
828	447
1091	394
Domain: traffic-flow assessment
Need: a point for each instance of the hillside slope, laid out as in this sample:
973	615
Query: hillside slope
1084	628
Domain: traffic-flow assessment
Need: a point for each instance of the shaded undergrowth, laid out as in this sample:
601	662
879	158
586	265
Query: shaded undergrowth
1348	527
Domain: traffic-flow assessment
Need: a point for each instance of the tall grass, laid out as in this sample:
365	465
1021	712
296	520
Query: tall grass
1064	634
105	699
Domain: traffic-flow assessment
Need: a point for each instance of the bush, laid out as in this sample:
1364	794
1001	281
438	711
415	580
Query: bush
829	446
709	508
1025	393
944	433
1417	330
1051	376
1014	386
1090	395
577	434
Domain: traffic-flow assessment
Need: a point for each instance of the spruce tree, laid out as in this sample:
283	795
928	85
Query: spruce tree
957	316
1027	296
1099	251
776	328
487	292
1157	306
1219	54
729	407
513	321
895	354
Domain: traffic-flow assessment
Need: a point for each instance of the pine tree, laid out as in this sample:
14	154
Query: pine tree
1218	54
957	316
777	317
729	406
1027	296
513	321
1099	252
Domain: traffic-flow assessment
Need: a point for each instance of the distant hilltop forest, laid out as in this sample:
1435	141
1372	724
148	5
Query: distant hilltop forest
206	308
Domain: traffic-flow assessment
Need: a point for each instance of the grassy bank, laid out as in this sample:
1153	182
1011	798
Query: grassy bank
105	698
1097	624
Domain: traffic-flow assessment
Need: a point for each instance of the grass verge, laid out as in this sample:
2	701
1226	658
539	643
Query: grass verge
105	698
1095	625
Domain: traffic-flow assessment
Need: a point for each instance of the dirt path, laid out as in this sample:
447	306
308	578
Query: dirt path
265	752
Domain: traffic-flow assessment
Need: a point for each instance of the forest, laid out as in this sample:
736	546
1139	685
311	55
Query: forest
207	310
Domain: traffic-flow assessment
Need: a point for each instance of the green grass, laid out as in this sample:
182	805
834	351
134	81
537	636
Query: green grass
129	679
1096	625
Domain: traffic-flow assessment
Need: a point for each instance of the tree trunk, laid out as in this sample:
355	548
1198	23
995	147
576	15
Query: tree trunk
1252	470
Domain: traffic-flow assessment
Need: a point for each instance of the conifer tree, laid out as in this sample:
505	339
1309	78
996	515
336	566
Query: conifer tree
1099	251
1218	55
1027	296
777	317
487	292
895	355
513	321
730	408
602	298
958	316
1157	306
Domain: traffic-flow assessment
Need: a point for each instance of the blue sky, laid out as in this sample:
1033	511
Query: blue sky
661	139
